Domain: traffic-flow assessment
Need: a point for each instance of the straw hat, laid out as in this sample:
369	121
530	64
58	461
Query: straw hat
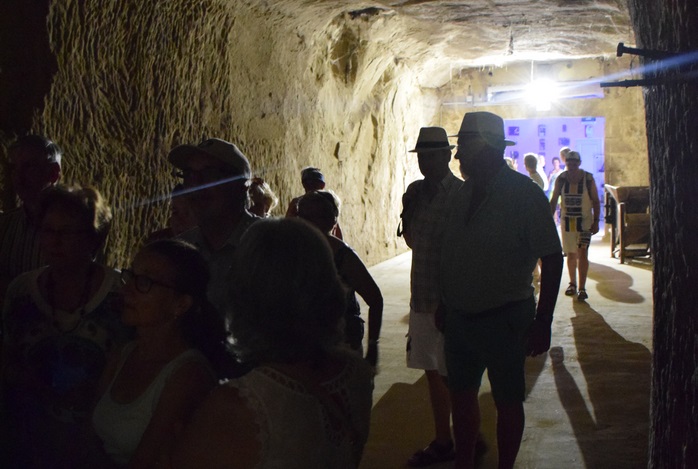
487	126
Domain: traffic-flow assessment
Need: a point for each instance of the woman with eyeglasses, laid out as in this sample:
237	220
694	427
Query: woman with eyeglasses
60	323
160	377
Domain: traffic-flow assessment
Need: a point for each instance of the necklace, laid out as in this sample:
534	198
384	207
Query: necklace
82	303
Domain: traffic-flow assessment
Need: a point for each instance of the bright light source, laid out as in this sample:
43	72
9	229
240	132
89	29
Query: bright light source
541	93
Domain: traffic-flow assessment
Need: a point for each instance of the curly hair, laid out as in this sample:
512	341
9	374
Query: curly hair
262	196
86	202
287	301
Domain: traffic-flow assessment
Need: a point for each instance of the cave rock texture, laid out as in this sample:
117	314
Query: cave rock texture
345	86
341	85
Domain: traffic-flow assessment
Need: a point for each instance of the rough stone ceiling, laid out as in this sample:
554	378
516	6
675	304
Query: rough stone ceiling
484	32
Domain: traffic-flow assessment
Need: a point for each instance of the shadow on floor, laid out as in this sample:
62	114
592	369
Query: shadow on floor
614	431
614	284
488	412
401	422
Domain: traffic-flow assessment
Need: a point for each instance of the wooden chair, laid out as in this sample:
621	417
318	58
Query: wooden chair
627	211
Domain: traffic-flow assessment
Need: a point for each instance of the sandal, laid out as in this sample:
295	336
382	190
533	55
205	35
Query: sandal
582	295
432	454
571	290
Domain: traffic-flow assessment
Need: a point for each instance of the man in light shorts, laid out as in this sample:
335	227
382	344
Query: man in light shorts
423	216
579	220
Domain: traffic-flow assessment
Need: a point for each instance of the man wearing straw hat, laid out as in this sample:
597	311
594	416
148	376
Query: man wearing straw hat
423	216
498	226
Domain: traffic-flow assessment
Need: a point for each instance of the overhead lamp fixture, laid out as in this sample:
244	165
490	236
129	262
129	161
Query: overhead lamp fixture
541	93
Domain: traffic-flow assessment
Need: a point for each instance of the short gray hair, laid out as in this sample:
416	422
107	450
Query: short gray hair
287	301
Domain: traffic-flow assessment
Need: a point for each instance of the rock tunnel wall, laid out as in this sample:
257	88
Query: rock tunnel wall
672	113
292	88
345	90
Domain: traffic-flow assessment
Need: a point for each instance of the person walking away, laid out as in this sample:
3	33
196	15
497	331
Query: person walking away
579	217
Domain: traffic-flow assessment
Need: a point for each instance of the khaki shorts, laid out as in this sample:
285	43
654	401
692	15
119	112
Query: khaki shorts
425	344
573	240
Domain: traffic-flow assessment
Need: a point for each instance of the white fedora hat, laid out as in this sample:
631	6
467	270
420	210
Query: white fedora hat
487	126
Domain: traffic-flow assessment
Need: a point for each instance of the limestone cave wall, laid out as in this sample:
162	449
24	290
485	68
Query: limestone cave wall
320	86
325	85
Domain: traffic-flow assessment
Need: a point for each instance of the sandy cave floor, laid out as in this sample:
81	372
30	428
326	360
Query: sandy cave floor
588	398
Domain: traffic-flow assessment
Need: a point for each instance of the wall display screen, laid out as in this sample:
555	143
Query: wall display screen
545	136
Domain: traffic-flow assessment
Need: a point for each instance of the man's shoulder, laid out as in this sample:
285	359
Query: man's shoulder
194	237
514	178
244	222
414	186
191	235
23	283
12	215
247	218
451	182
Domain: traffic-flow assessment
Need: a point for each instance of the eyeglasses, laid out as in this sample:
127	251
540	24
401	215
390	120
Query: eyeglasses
143	283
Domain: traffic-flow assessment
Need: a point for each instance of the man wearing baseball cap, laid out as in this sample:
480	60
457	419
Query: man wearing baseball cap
216	175
498	226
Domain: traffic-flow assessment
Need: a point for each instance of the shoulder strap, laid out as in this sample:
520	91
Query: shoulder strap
408	198
589	179
123	356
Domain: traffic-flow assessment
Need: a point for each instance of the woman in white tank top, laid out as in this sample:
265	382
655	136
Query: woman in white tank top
160	378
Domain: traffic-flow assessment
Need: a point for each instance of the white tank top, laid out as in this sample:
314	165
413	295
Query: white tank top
121	426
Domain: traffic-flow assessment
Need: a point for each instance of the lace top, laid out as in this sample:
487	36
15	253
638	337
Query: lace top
299	428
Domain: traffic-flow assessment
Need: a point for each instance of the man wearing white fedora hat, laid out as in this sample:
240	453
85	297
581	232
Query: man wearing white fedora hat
498	226
423	216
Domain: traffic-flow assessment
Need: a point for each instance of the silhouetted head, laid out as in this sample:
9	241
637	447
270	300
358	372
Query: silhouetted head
321	208
216	174
35	164
531	162
262	198
287	301
73	222
312	179
166	286
481	143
